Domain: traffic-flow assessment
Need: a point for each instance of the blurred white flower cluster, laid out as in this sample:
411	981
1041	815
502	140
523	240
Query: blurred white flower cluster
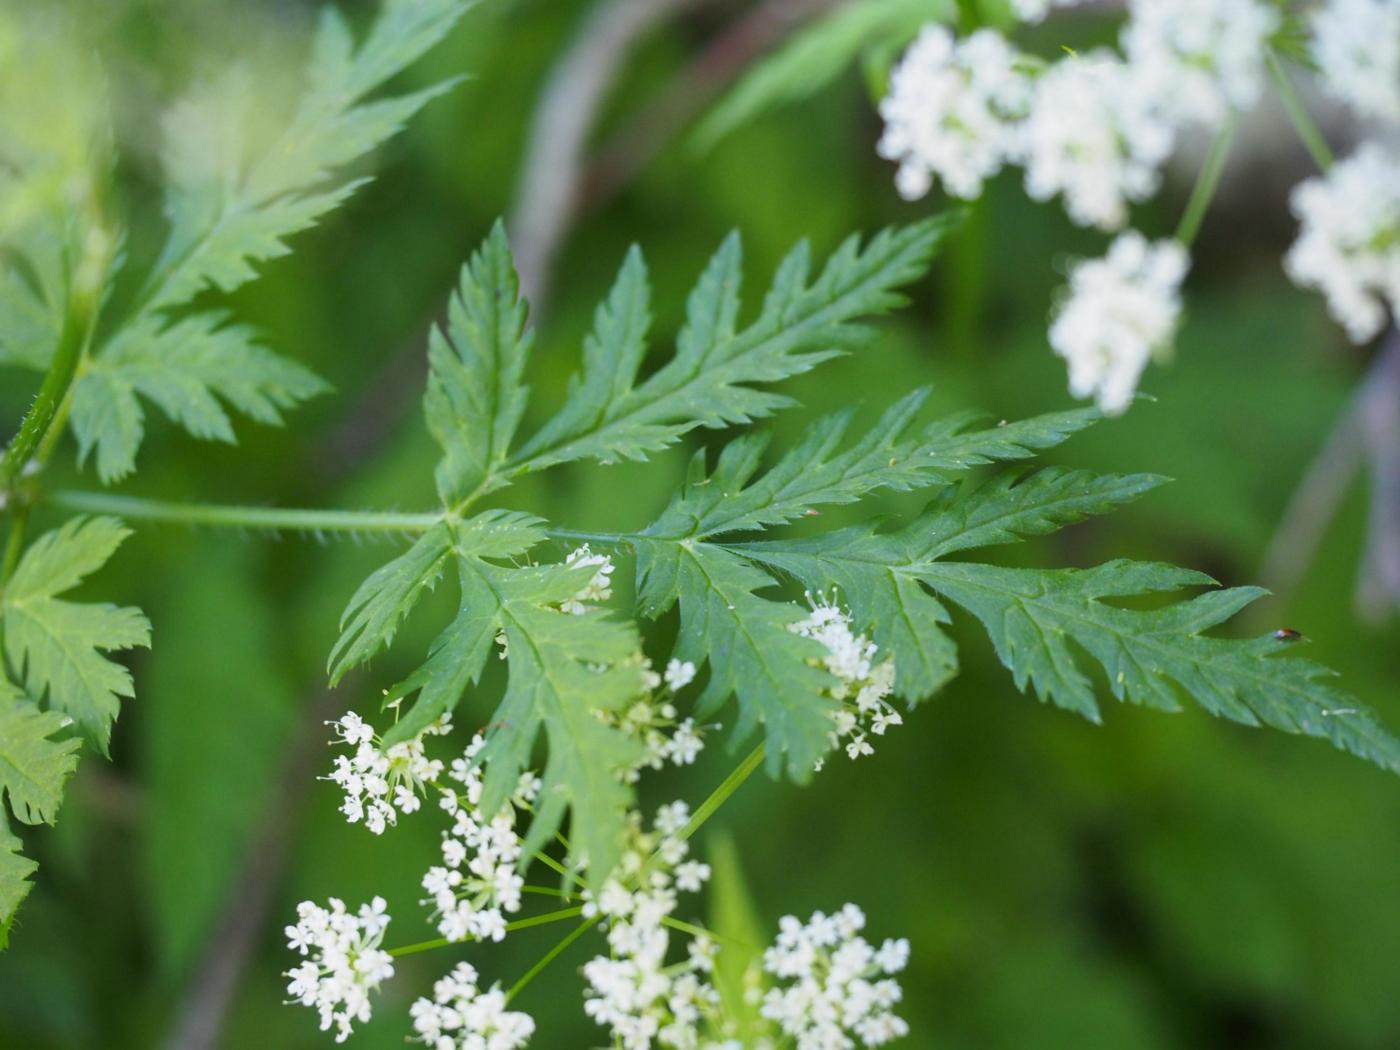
460	1016
344	962
862	684
953	111
1120	311
838	984
1349	245
1356	44
1095	129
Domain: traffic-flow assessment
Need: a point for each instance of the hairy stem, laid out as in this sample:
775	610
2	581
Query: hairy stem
288	519
278	519
1298	115
1207	182
63	366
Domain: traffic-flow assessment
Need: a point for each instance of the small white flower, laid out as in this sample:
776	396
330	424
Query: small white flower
382	783
862	683
1201	59
1349	243
1096	137
477	884
679	674
344	962
460	1016
832	983
651	720
599	587
953	111
1120	311
633	991
1356	44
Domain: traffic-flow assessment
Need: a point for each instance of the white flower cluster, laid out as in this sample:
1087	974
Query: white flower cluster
478	882
599	586
1199	60
1349	243
953	111
1094	130
344	962
1120	311
652	719
1094	138
460	1016
381	783
1356	44
862	684
633	991
840	986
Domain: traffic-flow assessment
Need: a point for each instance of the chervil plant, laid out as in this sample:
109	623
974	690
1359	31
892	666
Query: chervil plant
803	645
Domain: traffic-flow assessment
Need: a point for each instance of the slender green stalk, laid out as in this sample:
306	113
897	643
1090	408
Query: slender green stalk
511	927
1298	114
550	891
721	794
1207	182
700	931
242	517
553	953
549	862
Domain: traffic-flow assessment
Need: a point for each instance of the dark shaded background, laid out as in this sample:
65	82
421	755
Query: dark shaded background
1156	882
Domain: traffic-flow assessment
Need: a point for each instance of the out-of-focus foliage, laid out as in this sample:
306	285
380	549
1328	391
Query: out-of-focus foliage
1157	882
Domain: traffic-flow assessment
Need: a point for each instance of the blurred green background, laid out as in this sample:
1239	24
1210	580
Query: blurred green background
1156	882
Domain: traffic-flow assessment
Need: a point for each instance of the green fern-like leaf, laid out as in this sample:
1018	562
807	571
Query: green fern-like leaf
751	650
475	395
712	553
1042	622
185	369
57	646
564	670
714	380
34	766
223	224
232	206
